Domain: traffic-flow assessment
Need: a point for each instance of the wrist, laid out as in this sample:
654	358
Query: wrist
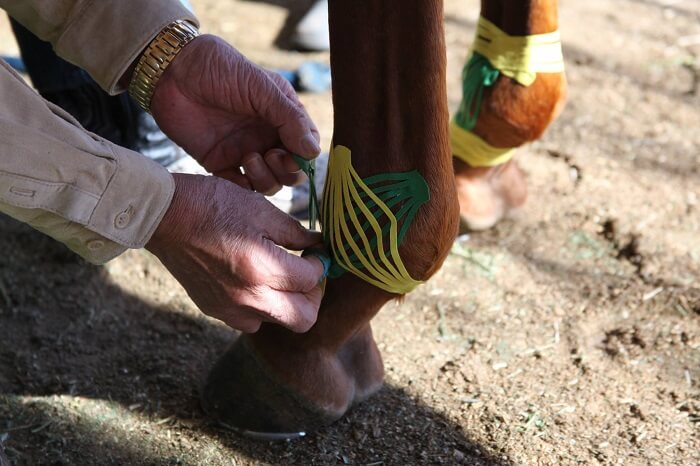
145	73
169	229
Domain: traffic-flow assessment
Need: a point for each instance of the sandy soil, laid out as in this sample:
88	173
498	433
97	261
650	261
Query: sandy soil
569	335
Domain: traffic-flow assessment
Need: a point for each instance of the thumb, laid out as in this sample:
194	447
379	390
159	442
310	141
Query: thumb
287	232
296	130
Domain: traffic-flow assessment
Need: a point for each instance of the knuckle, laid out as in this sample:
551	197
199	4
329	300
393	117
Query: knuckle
258	275
247	268
298	113
305	322
283	84
296	228
309	281
272	190
251	326
264	184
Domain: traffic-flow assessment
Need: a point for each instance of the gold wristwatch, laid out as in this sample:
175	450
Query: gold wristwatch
156	58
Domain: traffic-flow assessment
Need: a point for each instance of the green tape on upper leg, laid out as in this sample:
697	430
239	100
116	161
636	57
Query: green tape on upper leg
478	74
365	221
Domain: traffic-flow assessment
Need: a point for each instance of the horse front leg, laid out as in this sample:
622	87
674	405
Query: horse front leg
389	96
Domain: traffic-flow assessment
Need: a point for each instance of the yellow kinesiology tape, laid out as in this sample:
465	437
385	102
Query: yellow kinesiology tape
470	148
351	215
519	57
493	53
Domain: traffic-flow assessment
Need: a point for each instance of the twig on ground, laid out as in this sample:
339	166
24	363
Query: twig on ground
5	295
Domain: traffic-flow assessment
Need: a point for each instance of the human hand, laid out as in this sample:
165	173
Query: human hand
220	242
229	113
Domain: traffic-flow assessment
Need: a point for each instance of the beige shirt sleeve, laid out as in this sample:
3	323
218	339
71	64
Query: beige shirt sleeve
97	198
101	36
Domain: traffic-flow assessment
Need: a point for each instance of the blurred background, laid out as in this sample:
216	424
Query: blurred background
567	335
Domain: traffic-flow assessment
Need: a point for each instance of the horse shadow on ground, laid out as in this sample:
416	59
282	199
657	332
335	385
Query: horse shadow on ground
87	370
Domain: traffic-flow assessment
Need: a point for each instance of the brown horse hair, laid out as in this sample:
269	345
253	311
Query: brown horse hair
511	114
389	95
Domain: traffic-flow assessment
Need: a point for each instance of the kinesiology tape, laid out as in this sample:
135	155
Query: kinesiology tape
364	221
494	53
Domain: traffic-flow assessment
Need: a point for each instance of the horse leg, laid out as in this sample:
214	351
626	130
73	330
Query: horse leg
389	96
511	115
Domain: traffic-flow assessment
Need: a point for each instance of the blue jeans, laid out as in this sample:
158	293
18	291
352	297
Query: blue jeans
49	72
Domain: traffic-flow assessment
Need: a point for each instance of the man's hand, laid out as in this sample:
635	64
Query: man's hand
229	113
220	242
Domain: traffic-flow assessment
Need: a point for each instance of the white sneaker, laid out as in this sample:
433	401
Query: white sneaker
312	31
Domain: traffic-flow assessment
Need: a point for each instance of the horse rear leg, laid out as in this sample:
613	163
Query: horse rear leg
510	115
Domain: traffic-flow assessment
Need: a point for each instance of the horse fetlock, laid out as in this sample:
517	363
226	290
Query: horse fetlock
278	389
363	364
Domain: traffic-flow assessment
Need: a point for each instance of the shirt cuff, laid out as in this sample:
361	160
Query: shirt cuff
133	205
96	197
96	226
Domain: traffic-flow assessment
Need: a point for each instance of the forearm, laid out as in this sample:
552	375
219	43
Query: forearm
103	37
97	198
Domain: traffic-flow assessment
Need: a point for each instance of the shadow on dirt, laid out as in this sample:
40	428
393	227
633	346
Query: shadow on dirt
92	375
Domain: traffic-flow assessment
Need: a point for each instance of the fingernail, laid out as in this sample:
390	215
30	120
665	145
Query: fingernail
290	165
253	166
310	145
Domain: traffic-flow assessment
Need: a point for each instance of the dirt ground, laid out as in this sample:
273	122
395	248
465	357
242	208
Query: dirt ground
568	335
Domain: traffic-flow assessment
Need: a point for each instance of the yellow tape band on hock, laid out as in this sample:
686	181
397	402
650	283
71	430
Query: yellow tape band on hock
494	53
473	150
519	57
365	220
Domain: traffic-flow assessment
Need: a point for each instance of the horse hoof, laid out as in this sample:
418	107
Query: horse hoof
242	393
265	436
487	195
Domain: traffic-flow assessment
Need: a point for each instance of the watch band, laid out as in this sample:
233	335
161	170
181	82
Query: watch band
156	58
